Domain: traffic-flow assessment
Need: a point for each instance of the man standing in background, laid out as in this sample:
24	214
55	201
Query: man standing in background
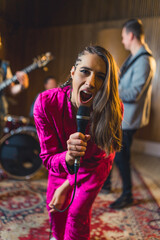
135	89
49	83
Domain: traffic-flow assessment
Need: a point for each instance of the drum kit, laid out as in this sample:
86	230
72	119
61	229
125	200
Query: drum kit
19	147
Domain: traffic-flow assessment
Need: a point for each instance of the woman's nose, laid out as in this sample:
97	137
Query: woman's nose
91	80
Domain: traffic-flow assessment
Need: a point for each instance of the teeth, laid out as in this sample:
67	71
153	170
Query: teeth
87	92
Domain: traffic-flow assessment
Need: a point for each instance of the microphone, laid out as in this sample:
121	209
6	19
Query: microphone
83	116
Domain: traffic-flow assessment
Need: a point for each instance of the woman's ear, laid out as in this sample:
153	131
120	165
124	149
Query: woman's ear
72	71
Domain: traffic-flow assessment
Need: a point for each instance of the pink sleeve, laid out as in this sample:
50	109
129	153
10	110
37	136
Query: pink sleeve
51	154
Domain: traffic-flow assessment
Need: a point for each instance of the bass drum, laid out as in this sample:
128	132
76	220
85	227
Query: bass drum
19	153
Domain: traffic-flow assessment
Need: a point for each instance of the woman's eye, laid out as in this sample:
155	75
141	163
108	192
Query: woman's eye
84	71
101	77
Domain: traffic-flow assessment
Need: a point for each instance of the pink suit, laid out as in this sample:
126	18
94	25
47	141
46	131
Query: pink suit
55	122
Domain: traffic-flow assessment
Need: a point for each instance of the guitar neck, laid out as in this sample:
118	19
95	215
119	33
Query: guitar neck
7	82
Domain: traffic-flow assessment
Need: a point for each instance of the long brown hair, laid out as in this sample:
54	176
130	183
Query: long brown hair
106	116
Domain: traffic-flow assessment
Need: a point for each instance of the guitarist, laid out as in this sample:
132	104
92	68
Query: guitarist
22	83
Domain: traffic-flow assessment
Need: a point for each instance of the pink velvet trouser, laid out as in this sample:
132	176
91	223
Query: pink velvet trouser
74	224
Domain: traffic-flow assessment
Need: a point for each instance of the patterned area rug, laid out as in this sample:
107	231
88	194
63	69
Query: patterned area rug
23	214
141	221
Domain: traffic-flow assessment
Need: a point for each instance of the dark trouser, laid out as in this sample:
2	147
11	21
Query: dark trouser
122	160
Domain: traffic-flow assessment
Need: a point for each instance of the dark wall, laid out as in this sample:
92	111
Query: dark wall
44	13
64	27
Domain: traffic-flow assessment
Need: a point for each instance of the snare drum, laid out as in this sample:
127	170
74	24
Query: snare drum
19	153
11	122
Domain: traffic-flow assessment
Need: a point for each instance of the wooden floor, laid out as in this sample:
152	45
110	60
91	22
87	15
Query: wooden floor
149	169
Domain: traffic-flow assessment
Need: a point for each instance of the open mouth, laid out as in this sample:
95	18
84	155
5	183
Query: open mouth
85	96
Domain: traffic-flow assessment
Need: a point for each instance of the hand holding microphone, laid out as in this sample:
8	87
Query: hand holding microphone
77	142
